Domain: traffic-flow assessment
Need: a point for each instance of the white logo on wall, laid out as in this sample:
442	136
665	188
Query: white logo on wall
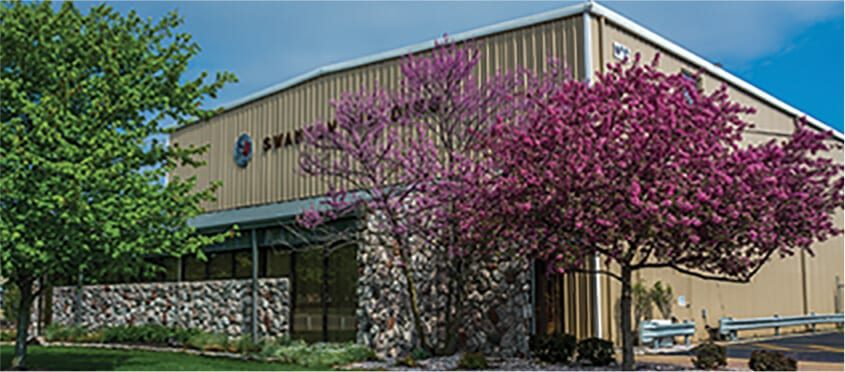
620	51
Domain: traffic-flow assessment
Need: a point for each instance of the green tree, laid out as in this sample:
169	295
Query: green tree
662	297
82	178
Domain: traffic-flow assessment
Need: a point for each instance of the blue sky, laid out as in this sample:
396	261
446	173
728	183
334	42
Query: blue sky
793	50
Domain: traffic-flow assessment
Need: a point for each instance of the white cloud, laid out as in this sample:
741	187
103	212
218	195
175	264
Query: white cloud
729	32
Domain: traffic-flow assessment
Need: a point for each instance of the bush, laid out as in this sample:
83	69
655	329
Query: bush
7	335
407	361
57	332
765	360
208	341
150	334
557	348
244	345
153	334
319	354
472	361
709	356
180	336
662	298
597	351
11	297
420	354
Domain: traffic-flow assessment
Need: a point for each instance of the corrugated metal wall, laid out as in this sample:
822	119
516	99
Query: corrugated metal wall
778	288
273	176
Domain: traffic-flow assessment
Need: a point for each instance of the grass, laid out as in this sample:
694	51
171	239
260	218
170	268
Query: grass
78	358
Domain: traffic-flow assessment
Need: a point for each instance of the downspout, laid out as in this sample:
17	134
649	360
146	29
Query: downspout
254	287
588	77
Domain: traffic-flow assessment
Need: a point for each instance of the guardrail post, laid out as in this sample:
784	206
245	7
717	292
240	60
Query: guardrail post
731	333
813	322
777	329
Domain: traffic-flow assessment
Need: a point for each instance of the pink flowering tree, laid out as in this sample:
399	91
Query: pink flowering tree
399	158
645	171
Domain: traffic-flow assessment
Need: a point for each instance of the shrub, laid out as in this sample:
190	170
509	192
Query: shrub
57	332
91	337
420	354
765	360
208	341
319	354
244	345
641	298
472	361
11	297
142	334
557	348
7	335
180	336
597	351
709	356
407	361
662	298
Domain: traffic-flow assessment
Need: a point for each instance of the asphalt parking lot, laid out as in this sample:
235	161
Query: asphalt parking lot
823	347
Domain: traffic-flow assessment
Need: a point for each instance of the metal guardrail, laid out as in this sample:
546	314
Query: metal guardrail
730	326
658	334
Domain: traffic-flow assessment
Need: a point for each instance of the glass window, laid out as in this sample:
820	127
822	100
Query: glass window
308	309
194	268
278	263
220	265
169	269
343	278
243	264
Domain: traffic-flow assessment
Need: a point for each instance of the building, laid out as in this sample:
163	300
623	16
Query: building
262	194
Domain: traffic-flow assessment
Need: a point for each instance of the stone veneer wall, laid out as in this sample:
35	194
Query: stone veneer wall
497	293
223	306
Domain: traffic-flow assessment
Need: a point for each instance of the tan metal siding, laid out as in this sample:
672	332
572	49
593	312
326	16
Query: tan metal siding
273	176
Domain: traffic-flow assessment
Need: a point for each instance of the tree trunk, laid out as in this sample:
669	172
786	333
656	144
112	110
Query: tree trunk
411	287
324	295
24	308
456	290
627	334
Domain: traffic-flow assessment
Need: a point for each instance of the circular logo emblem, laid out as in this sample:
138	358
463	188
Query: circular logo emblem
243	150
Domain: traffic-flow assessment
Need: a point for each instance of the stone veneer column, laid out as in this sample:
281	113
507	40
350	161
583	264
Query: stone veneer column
498	303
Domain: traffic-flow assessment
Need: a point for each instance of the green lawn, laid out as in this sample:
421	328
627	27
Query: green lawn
78	358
